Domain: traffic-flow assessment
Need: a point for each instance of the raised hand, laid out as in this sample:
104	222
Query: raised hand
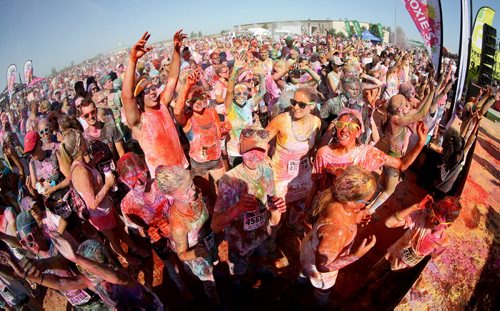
277	203
139	49
240	60
365	246
63	246
256	67
421	131
427	201
31	267
192	78
178	38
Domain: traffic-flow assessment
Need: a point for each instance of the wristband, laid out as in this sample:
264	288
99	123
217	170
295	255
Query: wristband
396	216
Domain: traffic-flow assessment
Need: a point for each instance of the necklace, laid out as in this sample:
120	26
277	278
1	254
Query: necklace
303	138
260	189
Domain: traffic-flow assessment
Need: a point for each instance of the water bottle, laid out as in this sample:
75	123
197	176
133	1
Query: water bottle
107	171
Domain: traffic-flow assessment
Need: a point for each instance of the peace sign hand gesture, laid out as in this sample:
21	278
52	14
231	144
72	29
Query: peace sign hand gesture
139	49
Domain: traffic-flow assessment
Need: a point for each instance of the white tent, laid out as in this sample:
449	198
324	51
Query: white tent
258	31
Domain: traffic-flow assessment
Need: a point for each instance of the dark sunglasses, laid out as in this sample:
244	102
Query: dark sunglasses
149	89
88	114
43	131
195	99
302	105
247	133
241	93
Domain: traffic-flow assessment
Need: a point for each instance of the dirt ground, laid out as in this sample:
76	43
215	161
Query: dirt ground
464	277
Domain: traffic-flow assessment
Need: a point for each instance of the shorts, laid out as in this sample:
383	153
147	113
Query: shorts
239	264
106	222
202	169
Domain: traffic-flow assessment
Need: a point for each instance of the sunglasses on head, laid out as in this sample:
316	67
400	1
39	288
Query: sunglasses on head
352	126
247	133
43	131
149	89
302	105
245	93
90	113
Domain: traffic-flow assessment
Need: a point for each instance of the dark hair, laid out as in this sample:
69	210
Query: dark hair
80	89
453	145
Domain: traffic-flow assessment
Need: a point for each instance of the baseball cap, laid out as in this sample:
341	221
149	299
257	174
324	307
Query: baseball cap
27	203
30	141
104	79
251	138
337	61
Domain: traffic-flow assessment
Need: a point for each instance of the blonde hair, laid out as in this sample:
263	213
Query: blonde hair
69	147
169	178
355	183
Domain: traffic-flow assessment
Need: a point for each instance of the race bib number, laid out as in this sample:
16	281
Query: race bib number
294	166
77	297
409	257
63	210
254	220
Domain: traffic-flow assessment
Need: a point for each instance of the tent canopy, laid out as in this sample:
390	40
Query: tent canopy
367	35
258	31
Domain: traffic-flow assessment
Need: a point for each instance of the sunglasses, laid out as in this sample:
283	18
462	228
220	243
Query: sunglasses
88	114
339	125
43	131
149	89
131	179
195	99
241	93
28	241
247	133
302	105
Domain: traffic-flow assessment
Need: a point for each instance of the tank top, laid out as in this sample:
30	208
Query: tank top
159	140
291	160
104	208
204	145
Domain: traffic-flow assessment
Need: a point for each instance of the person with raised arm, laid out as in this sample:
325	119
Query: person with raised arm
147	112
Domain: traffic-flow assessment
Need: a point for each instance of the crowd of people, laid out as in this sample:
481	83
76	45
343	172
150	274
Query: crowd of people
223	141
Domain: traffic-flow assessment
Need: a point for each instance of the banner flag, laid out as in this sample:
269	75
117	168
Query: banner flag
426	14
11	79
348	29
28	72
357	28
484	16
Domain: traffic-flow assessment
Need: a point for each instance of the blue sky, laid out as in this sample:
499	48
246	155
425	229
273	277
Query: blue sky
53	33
